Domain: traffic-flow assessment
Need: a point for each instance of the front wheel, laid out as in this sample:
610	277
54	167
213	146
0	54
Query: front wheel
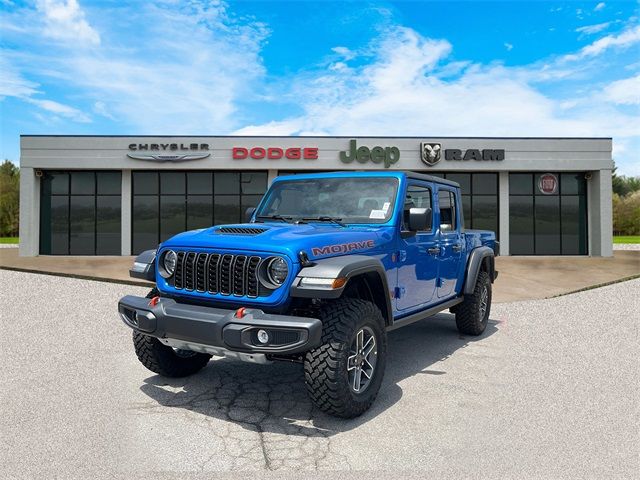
472	315
343	375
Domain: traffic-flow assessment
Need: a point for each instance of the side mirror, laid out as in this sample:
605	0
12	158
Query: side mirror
419	219
248	213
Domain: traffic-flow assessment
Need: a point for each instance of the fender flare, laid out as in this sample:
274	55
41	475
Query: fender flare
144	266
476	257
347	267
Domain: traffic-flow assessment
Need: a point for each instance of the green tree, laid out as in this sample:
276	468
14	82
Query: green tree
626	214
9	199
623	185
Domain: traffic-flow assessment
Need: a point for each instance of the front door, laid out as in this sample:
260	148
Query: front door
418	258
450	242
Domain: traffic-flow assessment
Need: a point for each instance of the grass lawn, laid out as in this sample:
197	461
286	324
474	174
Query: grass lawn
9	240
627	239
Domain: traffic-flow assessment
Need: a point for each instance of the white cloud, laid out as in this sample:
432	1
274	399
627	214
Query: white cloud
12	84
591	29
626	91
187	81
402	93
599	6
628	37
508	46
65	20
344	52
60	109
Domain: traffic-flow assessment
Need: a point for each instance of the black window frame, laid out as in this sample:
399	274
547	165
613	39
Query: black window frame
535	194
69	194
185	196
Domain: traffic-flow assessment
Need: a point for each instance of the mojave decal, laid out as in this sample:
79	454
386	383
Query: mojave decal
342	248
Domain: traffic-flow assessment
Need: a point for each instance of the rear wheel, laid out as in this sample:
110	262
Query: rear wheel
472	315
164	360
343	375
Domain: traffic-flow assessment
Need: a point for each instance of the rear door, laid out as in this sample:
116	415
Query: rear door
450	241
418	262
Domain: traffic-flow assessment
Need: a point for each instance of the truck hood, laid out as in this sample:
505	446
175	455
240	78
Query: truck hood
317	239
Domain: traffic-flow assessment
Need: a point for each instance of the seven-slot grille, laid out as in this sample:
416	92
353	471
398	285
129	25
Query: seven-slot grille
226	274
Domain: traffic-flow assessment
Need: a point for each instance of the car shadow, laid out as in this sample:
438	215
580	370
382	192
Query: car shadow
273	398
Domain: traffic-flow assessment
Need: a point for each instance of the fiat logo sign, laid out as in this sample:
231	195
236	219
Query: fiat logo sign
548	184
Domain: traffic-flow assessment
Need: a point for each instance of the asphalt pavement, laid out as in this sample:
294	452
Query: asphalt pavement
551	390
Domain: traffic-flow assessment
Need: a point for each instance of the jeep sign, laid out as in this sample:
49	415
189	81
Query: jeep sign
387	155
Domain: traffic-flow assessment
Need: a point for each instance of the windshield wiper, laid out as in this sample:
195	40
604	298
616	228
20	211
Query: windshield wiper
276	217
325	219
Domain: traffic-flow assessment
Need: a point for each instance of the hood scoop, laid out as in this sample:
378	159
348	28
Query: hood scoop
240	230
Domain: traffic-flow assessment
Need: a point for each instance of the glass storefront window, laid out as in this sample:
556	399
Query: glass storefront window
74	220
554	224
168	203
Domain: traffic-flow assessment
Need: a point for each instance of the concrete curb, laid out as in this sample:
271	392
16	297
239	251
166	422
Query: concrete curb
598	285
135	283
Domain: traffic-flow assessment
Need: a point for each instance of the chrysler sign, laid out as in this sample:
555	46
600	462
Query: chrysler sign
196	151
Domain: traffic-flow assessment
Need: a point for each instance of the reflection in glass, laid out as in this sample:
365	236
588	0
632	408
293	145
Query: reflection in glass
226	209
56	183
547	225
253	183
83	183
485	183
573	210
466	211
521	225
173	216
109	183
226	183
572	184
108	226
464	179
145	183
199	211
520	184
485	212
200	183
172	183
59	226
82	224
145	223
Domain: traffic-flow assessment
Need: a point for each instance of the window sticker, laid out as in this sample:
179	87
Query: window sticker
385	207
378	214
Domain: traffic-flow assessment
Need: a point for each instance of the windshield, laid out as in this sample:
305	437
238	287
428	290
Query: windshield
348	200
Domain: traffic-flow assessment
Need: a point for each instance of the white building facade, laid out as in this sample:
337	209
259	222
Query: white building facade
119	195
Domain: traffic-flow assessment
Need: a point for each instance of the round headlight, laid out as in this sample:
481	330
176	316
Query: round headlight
169	263
277	270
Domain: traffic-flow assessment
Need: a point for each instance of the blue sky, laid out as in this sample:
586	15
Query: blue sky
322	68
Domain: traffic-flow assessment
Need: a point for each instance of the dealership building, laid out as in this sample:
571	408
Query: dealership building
120	195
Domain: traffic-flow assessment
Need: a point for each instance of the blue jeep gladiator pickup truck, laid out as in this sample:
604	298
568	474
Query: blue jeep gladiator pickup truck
327	264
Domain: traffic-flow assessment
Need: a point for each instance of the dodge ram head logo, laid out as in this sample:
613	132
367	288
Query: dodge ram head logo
430	153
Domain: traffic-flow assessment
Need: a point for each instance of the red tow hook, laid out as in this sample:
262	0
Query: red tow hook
240	312
154	301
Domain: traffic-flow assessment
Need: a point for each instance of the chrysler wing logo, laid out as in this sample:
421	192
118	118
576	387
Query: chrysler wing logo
157	157
430	153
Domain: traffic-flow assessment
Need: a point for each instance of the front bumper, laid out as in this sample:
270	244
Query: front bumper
219	328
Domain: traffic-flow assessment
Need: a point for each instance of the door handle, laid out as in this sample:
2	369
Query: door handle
457	248
434	250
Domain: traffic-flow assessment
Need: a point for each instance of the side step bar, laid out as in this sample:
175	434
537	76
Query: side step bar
429	312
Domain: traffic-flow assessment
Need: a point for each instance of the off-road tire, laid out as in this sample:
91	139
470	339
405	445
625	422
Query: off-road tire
469	317
325	367
162	359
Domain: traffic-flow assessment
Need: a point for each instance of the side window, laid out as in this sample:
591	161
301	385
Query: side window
419	197
447	203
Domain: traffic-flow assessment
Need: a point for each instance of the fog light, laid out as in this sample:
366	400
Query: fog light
263	336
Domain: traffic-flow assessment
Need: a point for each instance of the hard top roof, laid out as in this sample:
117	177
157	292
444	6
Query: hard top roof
372	173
